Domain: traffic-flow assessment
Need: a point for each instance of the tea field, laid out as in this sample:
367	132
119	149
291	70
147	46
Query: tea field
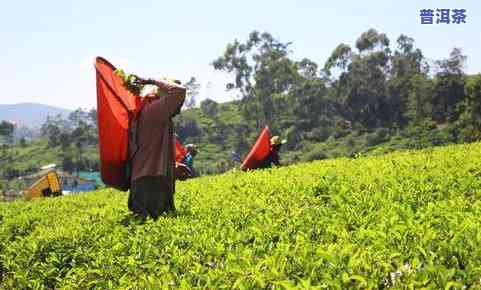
403	220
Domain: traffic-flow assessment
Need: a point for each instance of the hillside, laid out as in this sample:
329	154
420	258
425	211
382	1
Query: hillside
406	219
27	159
218	135
30	114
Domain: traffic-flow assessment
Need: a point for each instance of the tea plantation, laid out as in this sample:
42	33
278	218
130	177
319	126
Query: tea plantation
404	220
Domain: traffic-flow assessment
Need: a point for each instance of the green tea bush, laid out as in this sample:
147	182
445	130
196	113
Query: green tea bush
404	220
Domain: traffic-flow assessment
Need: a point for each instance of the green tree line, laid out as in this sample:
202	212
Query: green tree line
73	136
374	90
376	94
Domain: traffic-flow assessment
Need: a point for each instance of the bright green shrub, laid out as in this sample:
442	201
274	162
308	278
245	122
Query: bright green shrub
409	219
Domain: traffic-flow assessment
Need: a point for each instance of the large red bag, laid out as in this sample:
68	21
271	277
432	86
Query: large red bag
116	109
259	151
180	151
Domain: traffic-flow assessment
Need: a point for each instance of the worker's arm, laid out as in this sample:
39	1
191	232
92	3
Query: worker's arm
174	95
174	92
171	99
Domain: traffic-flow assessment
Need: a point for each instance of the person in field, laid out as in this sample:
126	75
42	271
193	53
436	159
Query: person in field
152	150
273	157
189	158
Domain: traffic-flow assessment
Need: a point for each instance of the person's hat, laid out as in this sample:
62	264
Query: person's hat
192	148
276	140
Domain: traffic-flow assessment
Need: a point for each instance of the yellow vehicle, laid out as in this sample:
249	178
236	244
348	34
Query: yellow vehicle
47	185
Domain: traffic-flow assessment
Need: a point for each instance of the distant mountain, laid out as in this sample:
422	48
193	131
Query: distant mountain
30	114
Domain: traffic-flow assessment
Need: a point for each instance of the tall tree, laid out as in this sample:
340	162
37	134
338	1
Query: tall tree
361	85
407	80
77	117
418	107
52	128
308	98
471	118
92	115
6	130
83	126
209	108
261	68
449	87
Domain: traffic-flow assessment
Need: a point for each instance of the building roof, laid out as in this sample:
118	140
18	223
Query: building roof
48	166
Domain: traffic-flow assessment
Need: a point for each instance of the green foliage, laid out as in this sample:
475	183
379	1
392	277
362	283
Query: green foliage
217	135
372	95
130	82
370	39
404	220
76	137
470	121
209	108
24	160
261	69
6	131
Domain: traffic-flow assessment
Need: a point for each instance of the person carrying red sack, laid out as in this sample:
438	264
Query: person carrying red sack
152	150
273	158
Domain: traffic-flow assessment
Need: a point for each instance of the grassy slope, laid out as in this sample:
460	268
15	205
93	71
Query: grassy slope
338	223
219	135
36	154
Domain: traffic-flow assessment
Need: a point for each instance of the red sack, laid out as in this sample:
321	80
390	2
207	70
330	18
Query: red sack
259	151
116	109
180	151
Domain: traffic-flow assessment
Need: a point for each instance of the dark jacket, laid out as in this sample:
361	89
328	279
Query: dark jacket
272	158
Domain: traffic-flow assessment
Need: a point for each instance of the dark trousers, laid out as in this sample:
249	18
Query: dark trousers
151	196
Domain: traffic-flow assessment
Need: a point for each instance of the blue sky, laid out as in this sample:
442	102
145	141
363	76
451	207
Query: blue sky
47	47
